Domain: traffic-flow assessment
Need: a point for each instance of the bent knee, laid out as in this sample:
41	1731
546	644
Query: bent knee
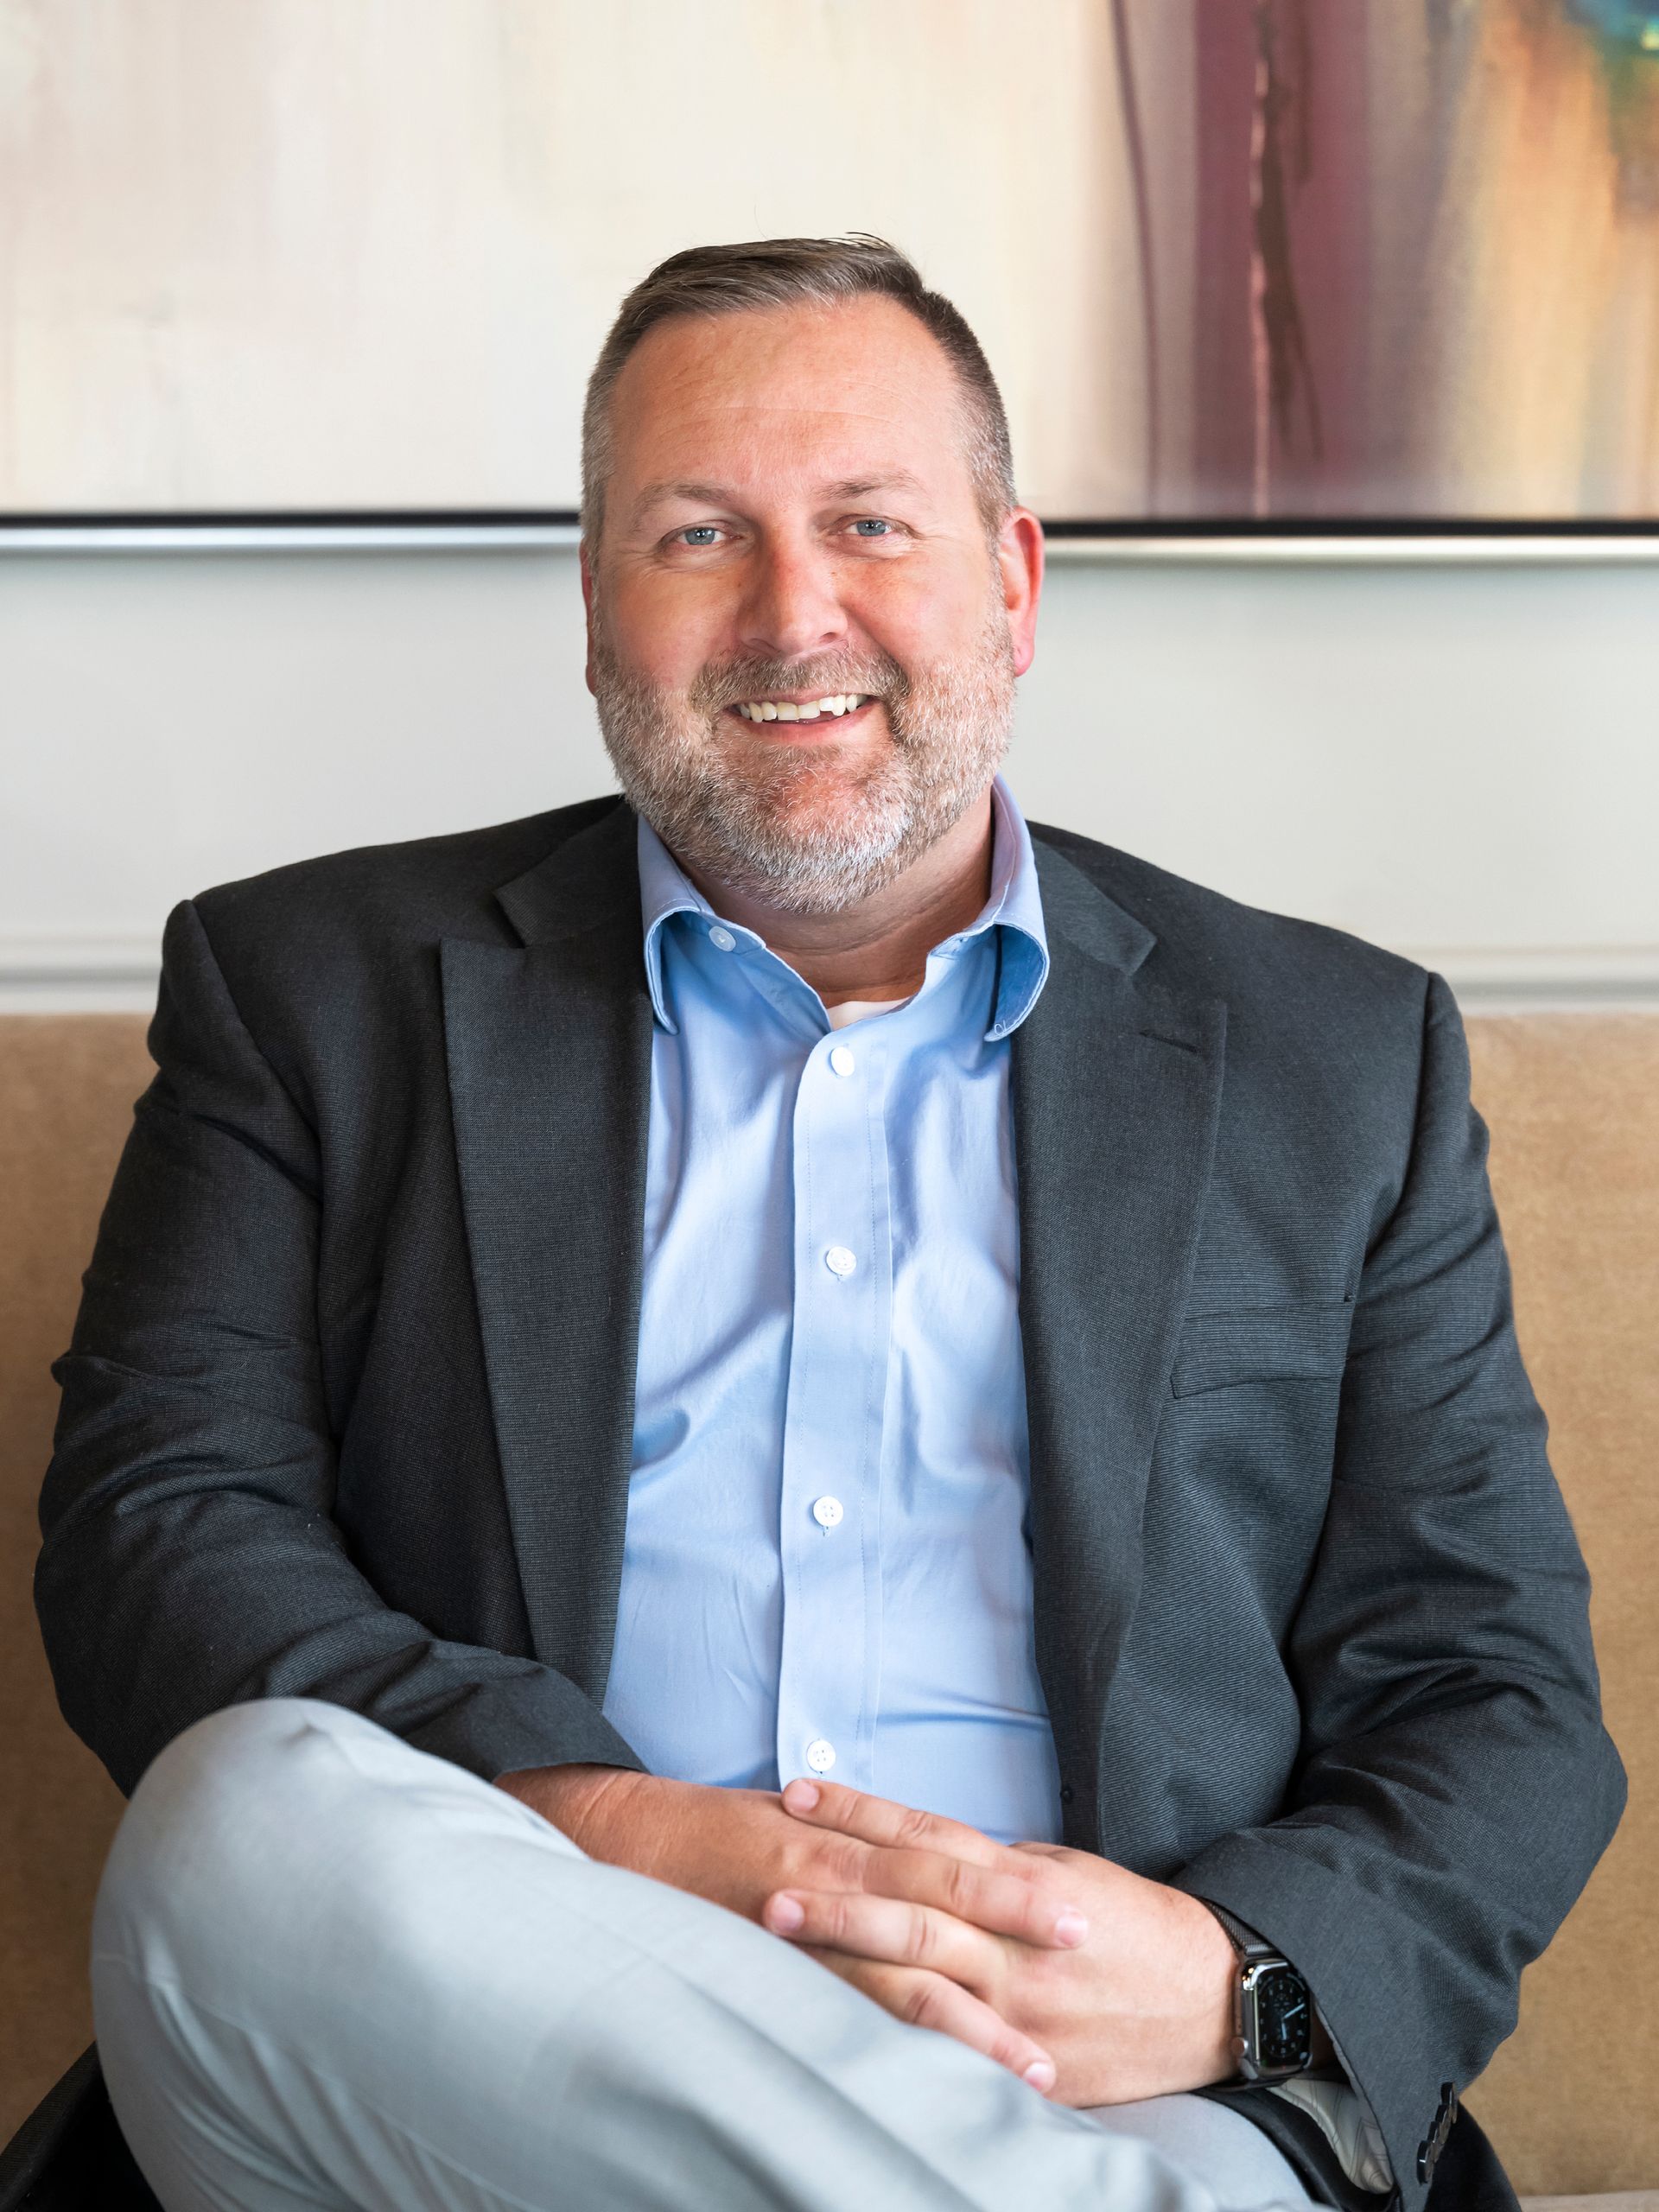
208	1817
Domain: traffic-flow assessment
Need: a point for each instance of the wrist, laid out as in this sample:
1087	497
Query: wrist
1215	2053
579	1800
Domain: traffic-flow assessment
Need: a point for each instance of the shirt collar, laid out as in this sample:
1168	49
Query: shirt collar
1014	910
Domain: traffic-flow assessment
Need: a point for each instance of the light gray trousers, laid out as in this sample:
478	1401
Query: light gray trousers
330	1971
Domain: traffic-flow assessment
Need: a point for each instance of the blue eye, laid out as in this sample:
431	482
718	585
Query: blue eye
703	533
868	525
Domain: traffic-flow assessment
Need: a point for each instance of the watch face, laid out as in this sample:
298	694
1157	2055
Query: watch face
1284	2021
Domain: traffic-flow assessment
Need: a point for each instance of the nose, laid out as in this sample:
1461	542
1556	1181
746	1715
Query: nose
792	607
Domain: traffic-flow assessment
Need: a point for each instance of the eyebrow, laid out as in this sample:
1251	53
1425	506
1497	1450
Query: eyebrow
890	480
716	495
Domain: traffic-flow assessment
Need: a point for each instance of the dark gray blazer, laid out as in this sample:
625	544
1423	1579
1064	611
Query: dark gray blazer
347	1411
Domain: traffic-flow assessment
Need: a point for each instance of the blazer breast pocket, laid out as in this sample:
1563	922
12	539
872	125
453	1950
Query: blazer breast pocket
1262	1344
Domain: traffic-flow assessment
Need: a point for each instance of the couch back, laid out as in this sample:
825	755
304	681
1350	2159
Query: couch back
1572	1101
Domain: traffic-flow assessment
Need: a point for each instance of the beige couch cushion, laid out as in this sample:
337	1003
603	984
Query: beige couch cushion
1623	2200
1573	1102
66	1089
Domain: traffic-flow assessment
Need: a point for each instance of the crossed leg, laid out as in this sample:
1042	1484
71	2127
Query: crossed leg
330	1971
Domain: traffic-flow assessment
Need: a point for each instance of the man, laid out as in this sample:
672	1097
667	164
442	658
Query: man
794	1279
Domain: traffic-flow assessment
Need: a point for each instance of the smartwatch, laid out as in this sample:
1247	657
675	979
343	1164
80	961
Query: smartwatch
1273	2012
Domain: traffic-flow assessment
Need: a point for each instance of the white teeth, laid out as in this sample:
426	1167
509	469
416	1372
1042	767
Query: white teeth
785	711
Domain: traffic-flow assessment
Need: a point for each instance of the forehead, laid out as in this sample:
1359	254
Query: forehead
820	391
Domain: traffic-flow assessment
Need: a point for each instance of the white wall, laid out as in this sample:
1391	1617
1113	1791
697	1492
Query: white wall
1460	761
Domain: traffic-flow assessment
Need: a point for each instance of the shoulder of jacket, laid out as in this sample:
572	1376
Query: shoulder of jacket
376	896
1238	951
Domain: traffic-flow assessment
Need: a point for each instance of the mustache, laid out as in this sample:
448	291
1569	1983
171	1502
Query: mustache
732	681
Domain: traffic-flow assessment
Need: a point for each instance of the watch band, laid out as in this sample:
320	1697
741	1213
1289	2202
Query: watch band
1251	1948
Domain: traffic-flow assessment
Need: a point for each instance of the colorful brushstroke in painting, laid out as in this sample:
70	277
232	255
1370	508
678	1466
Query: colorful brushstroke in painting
1426	280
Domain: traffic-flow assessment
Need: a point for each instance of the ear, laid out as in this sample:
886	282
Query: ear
589	589
1020	560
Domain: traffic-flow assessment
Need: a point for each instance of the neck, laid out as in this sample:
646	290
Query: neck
877	949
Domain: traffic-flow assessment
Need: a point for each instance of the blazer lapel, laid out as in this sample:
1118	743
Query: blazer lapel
548	1047
1117	1085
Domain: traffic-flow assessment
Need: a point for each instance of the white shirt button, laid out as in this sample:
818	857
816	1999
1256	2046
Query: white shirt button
820	1755
723	940
826	1511
841	1061
840	1261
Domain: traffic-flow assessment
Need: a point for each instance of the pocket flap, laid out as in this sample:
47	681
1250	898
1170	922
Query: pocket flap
1258	1345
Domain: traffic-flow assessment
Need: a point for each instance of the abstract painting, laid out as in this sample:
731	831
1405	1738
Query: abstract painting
1248	262
1414	269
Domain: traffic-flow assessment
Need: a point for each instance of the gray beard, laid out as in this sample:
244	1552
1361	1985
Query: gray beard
806	832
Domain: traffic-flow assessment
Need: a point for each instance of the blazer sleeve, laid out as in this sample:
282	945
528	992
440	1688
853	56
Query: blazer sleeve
190	1560
1456	1785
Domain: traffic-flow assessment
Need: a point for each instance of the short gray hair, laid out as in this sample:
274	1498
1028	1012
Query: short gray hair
711	280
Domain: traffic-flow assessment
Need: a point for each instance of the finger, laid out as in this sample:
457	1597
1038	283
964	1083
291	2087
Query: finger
931	2001
891	1929
1002	1903
959	1869
878	1819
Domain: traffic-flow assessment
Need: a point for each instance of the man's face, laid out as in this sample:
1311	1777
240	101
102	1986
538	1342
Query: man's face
790	520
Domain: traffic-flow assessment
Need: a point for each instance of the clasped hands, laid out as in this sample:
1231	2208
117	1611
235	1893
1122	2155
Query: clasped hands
1090	1983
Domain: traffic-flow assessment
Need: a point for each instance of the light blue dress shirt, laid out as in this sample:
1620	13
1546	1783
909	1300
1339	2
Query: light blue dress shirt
826	1567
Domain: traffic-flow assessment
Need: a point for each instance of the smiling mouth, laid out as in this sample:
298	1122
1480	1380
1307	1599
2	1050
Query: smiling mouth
836	705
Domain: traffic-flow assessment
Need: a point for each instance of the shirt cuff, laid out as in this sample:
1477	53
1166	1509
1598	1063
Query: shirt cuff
1339	2109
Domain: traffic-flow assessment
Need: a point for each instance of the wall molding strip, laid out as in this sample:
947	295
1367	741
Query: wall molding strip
292	538
555	528
1545	550
117	972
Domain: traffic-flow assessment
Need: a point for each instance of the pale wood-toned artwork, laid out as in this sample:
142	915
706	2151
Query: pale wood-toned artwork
280	255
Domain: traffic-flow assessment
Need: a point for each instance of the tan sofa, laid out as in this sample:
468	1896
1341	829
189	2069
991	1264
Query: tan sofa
1571	2101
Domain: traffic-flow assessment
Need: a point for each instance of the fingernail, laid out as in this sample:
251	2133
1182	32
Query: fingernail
785	1915
1041	2075
800	1796
1071	1928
